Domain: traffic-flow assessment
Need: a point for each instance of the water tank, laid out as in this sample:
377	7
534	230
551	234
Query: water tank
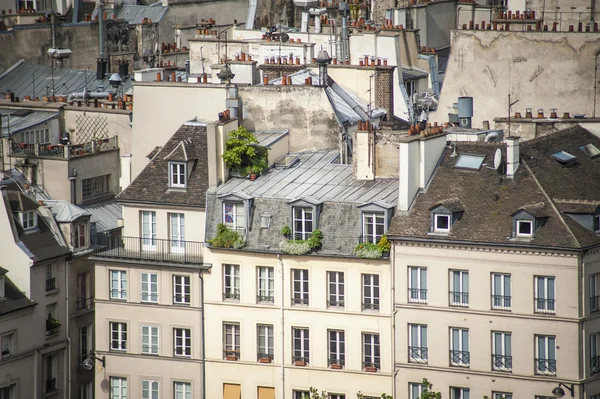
465	107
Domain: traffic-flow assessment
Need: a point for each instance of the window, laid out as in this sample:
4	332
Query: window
181	290
564	157
370	292
149	389
336	396
118	388
7	343
594	353
545	294
79	236
231	282
417	343
94	186
234	215
469	161
86	391
300	287
590	150
177	231
415	390
29	219
459	347
150	340
501	291
300	395
301	345
302	222
417	284
149	287
182	342
594	297
266	285
118	336
84	299
335	285
231	341
459	288
50	278
51	369
545	362
501	351
182	390
373	227
118	284
85	342
265	221
459	393
52	322
149	231
411	87
337	349
524	228
371	355
265	342
441	223
177	174
501	395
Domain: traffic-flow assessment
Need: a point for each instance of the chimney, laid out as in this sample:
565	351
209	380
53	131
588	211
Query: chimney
101	61
323	59
363	157
512	156
384	90
123	68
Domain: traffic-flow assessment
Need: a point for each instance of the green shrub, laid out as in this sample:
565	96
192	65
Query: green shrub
368	250
243	154
286	231
384	244
227	238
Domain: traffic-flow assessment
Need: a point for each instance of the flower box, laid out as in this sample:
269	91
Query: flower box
231	357
371	369
300	363
336	366
265	360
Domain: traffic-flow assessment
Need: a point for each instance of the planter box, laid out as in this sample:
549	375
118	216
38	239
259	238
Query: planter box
231	358
265	360
336	366
300	363
371	369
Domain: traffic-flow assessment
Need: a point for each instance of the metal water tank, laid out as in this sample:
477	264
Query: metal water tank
465	107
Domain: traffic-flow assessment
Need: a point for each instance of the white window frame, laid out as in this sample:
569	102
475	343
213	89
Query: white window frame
118	284
300	287
118	336
547	342
94	186
182	342
265	332
148	219
177	232
51	277
300	394
7	345
299	214
417	290
501	294
301	344
436	225
231	331
518	231
542	303
336	396
416	341
182	390
51	372
372	221
371	299
459	342
86	341
265	283
335	289
237	214
231	282
460	297
460	393
181	290
149	291
336	346
29	219
79	235
502	395
504	351
371	343
150	388
416	388
594	292
118	384
150	340
177	174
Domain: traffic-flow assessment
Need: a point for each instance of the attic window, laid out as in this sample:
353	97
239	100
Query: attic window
597	224
28	219
444	215
590	150
177	174
441	223
524	228
564	157
265	221
469	161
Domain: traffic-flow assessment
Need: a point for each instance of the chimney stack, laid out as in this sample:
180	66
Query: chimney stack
384	90
323	59
512	156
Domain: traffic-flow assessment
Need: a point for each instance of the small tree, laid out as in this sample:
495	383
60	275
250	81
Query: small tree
243	154
428	393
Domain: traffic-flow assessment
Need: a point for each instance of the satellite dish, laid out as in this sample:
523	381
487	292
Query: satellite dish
87	364
497	158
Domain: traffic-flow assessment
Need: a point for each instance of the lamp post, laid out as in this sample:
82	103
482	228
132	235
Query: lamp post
559	392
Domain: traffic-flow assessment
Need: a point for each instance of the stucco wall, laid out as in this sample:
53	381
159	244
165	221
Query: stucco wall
193	220
117	123
538	65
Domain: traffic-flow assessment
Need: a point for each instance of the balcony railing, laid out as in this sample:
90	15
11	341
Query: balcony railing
235	296
545	305
60	151
51	385
299	301
460	358
459	298
501	363
417	354
501	302
370	305
594	364
84	303
545	366
336	304
265	298
417	295
50	284
594	303
150	249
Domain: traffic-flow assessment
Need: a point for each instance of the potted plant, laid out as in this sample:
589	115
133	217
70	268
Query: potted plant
52	325
286	231
227	238
231	356
384	245
370	369
300	247
242	152
265	359
300	362
368	250
336	366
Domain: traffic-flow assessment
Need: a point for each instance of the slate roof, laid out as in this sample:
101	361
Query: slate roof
152	184
65	212
14	298
136	14
105	214
13	120
541	186
315	178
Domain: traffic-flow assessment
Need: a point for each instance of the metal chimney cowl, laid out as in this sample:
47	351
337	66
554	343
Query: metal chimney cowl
323	59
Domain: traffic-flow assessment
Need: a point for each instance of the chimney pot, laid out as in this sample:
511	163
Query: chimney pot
566	116
528	113
512	156
553	113
158	79
517	115
540	114
173	76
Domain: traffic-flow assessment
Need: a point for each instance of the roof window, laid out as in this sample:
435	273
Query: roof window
469	161
564	157
444	215
590	150
528	219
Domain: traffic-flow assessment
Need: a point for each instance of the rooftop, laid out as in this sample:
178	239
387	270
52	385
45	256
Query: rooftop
16	120
14	298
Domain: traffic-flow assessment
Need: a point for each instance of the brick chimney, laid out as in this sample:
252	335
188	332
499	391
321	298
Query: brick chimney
384	89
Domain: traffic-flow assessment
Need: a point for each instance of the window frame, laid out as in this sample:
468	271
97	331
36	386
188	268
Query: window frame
594	353
374	236
372	342
501	301
459	298
436	224
549	363
266	332
79	235
265	284
501	395
150	293
186	393
237	215
594	294
306	231
549	304
151	332
335	299
7	343
177	174
148	230
177	232
336	347
231	289
421	293
301	295
304	340
233	349
95	186
121	331
459	346
51	280
147	392
420	388
502	359
121	292
183	335
28	219
122	387
182	290
374	288
461	395
519	233
86	341
422	349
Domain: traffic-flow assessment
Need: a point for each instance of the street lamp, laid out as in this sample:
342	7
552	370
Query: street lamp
88	363
558	392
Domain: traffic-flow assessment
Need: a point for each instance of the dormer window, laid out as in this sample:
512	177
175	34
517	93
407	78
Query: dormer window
177	174
28	219
234	215
375	218
79	235
441	223
444	215
524	228
305	217
528	219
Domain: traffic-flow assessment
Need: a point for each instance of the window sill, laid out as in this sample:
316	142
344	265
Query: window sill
51	334
53	291
118	350
118	299
418	301
49	394
182	304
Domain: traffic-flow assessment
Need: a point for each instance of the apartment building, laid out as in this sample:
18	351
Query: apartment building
280	320
495	270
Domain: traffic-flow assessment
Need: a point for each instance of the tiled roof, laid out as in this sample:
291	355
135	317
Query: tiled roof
152	184
542	186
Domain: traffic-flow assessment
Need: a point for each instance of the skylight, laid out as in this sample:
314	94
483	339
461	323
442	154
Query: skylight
590	150
472	162
564	157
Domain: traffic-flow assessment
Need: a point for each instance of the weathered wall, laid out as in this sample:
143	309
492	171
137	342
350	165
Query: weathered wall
545	70
304	110
435	22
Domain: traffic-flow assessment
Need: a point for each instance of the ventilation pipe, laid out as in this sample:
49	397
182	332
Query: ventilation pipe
232	101
101	62
317	24
344	8
304	26
323	59
465	111
512	156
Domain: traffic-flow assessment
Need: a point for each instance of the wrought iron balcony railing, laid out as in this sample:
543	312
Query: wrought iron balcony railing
60	151
417	354
501	363
150	249
460	358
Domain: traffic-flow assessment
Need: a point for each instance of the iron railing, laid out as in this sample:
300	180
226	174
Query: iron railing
376	365
335	304
545	305
370	305
501	363
417	295
299	301
263	355
545	366
460	358
340	360
304	359
265	299
60	151
230	354
417	354
84	303
501	302
594	364
232	295
50	284
459	298
150	249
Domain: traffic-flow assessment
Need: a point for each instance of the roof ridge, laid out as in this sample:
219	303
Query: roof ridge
571	201
552	134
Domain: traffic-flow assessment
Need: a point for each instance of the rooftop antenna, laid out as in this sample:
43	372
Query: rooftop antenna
509	111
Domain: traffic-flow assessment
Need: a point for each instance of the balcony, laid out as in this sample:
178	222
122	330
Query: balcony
150	250
460	358
501	363
459	298
265	299
60	151
231	295
501	302
335	304
374	305
417	354
298	300
417	295
594	364
545	366
545	305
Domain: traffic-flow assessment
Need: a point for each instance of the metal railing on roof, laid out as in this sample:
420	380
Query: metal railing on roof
60	151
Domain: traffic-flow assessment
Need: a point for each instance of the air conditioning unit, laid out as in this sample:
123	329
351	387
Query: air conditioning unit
59	53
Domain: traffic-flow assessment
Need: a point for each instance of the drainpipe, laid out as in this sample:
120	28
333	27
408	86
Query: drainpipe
393	292
203	334
282	272
595	82
36	354
67	326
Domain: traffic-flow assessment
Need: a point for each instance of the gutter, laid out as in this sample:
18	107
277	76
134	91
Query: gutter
203	336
